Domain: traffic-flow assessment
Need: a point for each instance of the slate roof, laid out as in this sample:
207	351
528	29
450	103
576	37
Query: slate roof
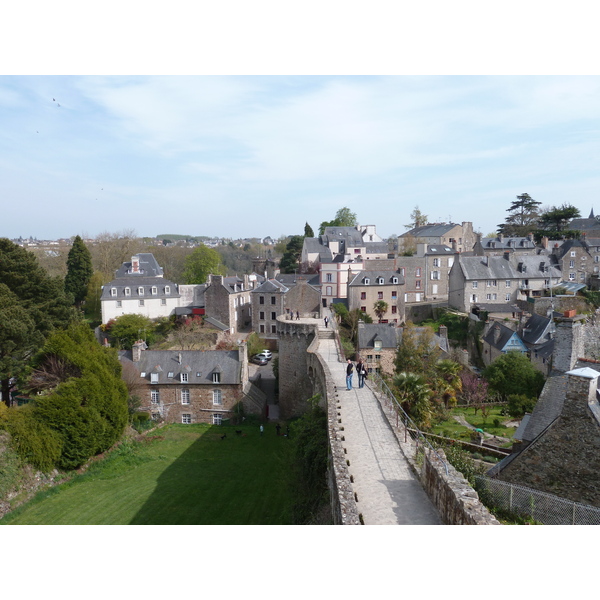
431	230
135	282
291	279
149	267
584	224
314	245
439	249
507	243
498	267
199	366
536	329
270	286
438	340
498	336
373	276
369	333
498	308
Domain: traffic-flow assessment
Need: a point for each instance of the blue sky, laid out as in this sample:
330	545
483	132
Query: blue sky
242	156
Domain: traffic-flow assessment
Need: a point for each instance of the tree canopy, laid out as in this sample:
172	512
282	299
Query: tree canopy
556	218
523	217
418	219
290	261
202	262
128	329
513	373
308	231
79	271
344	217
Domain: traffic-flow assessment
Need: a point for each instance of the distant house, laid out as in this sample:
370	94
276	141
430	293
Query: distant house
194	386
458	236
368	287
139	288
498	245
498	340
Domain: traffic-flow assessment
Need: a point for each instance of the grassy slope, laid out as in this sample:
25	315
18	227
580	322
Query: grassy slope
183	474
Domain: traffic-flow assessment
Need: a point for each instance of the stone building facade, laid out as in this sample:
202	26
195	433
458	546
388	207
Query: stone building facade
370	287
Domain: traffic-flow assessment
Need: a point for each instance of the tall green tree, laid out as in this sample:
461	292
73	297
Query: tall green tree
523	217
556	218
202	262
290	261
79	271
513	373
308	231
344	217
34	297
128	329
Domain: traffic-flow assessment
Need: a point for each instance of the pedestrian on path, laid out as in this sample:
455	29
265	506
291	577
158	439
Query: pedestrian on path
297	315
349	371
361	371
326	322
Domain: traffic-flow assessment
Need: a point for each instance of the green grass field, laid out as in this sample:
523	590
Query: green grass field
180	474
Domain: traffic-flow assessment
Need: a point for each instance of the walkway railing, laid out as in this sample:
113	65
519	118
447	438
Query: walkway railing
410	428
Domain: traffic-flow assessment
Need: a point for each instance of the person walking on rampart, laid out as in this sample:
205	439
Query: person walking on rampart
326	322
360	370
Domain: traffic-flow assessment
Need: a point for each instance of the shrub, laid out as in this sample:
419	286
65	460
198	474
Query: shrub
519	404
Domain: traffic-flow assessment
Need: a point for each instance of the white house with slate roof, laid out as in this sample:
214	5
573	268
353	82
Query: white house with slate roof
139	288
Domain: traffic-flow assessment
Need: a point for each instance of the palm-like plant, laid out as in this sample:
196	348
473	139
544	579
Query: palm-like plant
380	308
447	381
415	397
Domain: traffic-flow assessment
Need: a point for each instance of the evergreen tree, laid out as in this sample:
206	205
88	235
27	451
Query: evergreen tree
79	271
556	218
290	261
308	232
523	217
34	298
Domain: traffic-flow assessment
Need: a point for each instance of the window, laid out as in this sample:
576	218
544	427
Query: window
217	398
273	316
167	289
184	378
119	304
488	296
185	396
394	294
436	262
113	291
417	297
261	315
508	283
571	264
418	284
475	284
154	396
273	299
140	291
186	418
170	374
573	253
154	290
367	281
127	292
418	272
363	295
153	377
329	291
380	280
329	277
379	295
435	274
261	299
507	297
273	328
402	271
163	301
394	309
571	276
363	309
494	296
217	419
140	302
216	377
596	258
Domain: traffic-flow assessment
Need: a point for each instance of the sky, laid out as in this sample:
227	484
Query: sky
257	156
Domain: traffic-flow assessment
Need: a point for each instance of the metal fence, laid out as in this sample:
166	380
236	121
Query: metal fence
379	386
539	506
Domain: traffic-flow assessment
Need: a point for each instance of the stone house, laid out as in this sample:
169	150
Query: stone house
575	260
368	287
139	288
228	300
426	274
555	448
537	334
193	386
441	233
499	279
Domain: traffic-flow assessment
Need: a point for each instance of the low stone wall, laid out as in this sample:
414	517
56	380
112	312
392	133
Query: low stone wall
343	504
456	501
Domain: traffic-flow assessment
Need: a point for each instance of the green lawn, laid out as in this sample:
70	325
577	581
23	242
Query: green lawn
181	474
452	428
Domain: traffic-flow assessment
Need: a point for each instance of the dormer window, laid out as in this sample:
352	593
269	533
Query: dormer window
380	280
127	291
154	290
184	377
153	377
394	280
216	377
113	291
140	291
167	289
367	281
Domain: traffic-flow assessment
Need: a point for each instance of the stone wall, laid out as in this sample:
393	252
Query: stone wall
565	460
540	306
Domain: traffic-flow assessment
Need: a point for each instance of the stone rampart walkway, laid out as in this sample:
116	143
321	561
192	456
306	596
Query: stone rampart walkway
387	491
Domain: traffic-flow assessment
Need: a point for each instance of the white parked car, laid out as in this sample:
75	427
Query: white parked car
267	354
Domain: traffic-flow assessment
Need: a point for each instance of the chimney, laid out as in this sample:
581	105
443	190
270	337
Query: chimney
135	264
568	342
500	237
530	237
443	332
454	246
545	242
136	350
581	393
179	357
